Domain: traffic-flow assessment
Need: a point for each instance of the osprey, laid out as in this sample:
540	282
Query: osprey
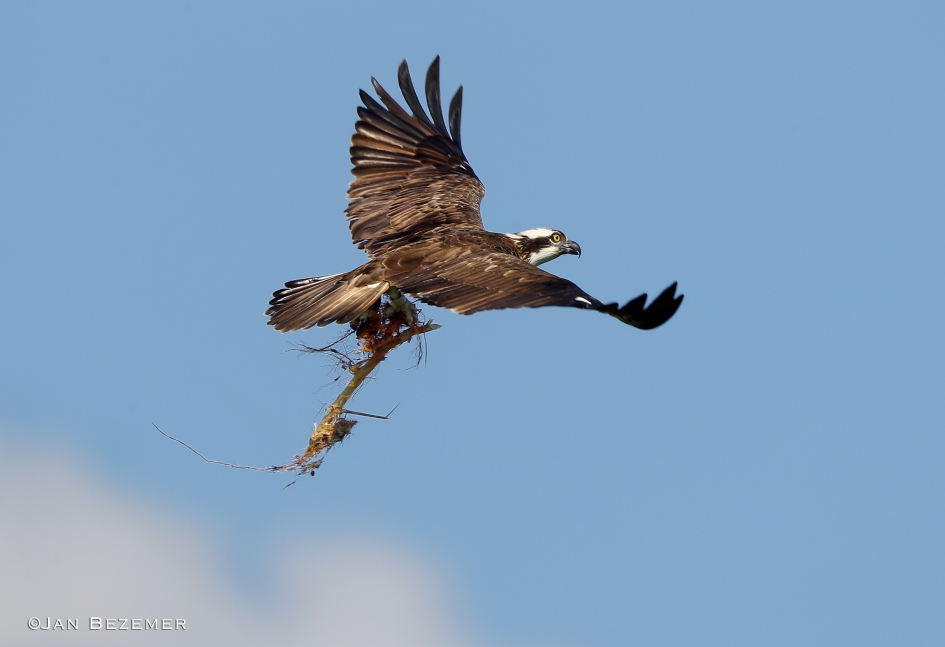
414	209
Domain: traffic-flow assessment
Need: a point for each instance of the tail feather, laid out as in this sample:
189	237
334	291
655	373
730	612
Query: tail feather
321	300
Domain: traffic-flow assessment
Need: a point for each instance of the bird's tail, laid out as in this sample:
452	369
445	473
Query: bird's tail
321	300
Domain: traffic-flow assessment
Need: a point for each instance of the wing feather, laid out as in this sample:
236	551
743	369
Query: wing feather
456	115
364	155
377	173
395	110
410	95
433	96
399	120
368	142
372	132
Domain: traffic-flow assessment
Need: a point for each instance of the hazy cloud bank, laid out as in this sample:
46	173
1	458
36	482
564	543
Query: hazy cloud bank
71	546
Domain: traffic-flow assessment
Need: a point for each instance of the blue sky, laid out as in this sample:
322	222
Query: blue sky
765	469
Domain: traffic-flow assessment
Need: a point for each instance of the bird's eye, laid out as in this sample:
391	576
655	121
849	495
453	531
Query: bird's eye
556	238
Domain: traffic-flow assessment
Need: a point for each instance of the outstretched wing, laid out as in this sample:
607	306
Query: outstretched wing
410	172
467	281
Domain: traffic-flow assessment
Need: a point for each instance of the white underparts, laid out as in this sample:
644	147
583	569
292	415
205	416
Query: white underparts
544	255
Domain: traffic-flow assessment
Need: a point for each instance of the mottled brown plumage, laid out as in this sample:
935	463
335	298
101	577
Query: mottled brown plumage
414	209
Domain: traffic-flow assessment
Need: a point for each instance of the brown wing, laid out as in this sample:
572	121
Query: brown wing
471	278
467	279
410	173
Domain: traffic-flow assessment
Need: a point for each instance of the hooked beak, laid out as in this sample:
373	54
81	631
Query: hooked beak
571	247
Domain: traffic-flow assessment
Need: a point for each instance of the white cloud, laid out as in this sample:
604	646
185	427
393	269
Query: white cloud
73	547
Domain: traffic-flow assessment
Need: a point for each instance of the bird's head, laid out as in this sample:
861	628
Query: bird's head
542	245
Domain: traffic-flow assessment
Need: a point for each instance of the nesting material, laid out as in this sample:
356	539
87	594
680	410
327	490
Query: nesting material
394	321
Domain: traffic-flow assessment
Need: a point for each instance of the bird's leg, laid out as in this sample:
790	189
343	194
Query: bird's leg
400	303
370	312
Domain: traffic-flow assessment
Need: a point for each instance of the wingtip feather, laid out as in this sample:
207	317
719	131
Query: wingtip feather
433	96
637	314
456	115
410	94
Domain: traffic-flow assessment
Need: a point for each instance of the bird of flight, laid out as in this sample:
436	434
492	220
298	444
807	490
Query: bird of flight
414	209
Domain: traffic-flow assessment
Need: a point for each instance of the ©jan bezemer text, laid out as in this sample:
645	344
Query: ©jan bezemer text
134	624
111	624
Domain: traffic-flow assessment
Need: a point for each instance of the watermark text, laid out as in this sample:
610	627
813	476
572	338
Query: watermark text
109	624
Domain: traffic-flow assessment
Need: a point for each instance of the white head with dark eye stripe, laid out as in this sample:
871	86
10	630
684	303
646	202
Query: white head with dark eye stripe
541	245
